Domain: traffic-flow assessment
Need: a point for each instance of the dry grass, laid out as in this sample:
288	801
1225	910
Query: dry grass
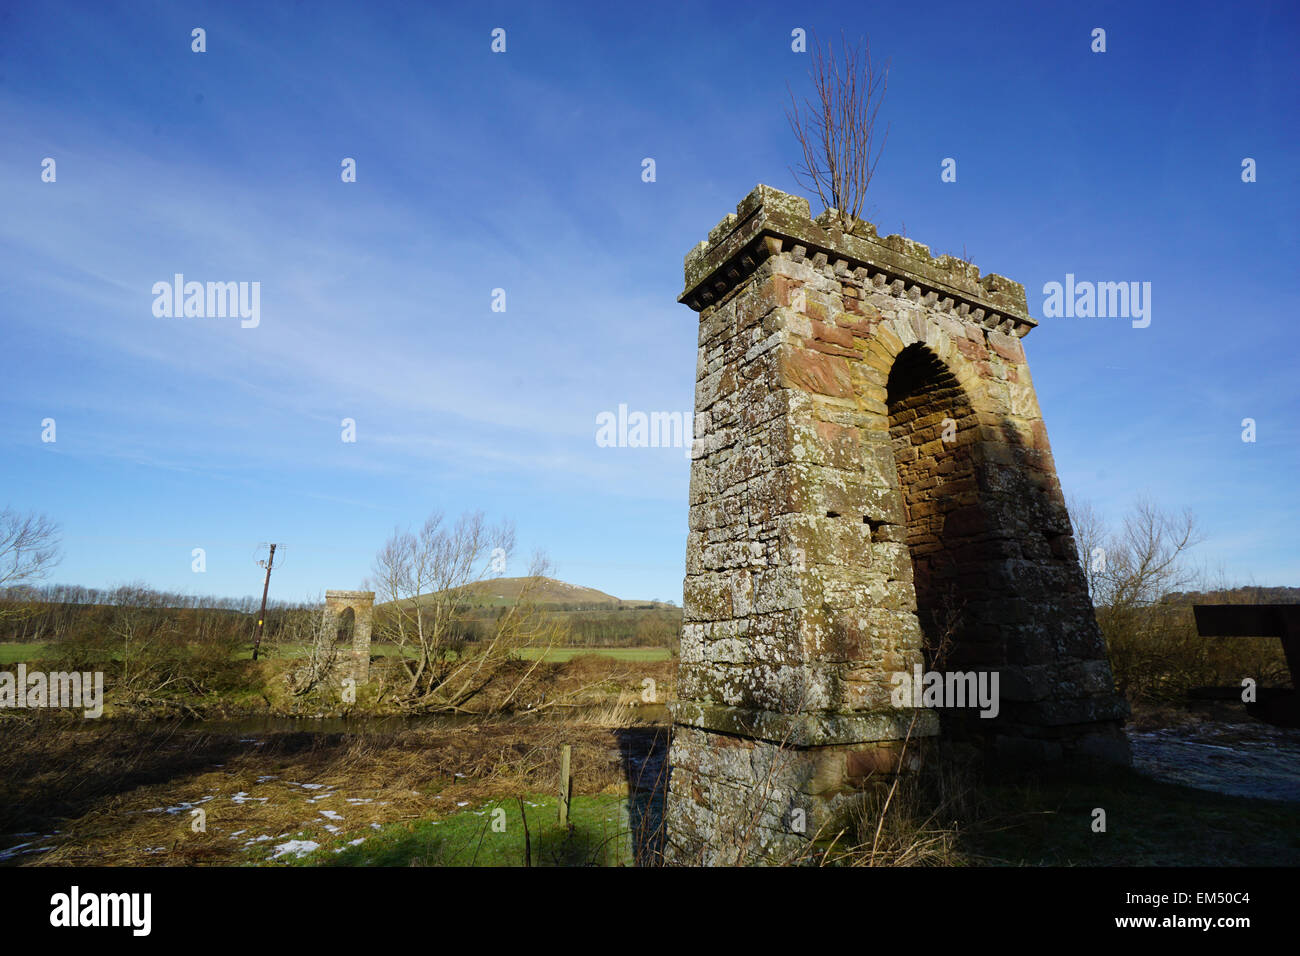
915	821
122	797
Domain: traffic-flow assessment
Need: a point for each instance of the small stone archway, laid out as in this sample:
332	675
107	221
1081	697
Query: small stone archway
352	611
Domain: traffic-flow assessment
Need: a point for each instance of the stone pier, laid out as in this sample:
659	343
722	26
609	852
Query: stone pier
872	495
352	610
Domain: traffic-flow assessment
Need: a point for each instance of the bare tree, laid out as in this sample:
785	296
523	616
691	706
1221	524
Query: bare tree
425	582
1141	563
1091	537
29	547
310	627
1136	575
837	132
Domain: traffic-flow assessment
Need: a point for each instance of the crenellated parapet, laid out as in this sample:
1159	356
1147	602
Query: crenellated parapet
770	222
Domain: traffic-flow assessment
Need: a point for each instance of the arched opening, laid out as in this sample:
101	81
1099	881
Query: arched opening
347	624
934	433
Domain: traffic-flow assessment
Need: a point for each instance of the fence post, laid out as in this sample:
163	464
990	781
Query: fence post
566	784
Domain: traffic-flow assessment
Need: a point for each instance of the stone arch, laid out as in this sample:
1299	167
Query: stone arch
346	627
893	336
348	617
933	433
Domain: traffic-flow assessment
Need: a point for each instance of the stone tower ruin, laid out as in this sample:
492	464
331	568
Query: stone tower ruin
872	495
352	611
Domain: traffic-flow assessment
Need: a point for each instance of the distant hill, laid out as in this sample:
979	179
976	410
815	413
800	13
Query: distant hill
550	592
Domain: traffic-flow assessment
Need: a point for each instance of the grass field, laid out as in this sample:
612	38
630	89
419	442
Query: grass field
99	794
14	653
635	654
492	834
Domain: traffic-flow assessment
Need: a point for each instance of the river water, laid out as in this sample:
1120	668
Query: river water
1243	759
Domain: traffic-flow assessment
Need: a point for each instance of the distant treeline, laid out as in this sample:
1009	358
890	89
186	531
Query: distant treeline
607	625
592	606
64	614
69	614
1242	595
640	626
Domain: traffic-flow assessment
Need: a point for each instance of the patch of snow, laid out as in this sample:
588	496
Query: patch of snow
299	848
181	807
12	851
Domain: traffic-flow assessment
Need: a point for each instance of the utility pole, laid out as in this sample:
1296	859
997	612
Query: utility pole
261	617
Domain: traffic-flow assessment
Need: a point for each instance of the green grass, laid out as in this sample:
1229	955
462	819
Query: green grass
13	653
562	654
284	651
556	654
598	836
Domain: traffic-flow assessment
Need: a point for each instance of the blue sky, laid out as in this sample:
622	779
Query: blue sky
522	171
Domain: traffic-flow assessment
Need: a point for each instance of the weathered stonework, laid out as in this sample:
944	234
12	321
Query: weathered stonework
872	490
361	605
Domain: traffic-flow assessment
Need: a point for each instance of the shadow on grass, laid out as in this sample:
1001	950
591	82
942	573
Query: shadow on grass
643	753
1051	821
52	770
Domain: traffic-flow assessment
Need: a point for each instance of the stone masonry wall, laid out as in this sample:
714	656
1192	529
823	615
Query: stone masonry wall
872	490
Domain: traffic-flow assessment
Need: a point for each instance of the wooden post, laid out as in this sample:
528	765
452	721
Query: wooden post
261	617
566	784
